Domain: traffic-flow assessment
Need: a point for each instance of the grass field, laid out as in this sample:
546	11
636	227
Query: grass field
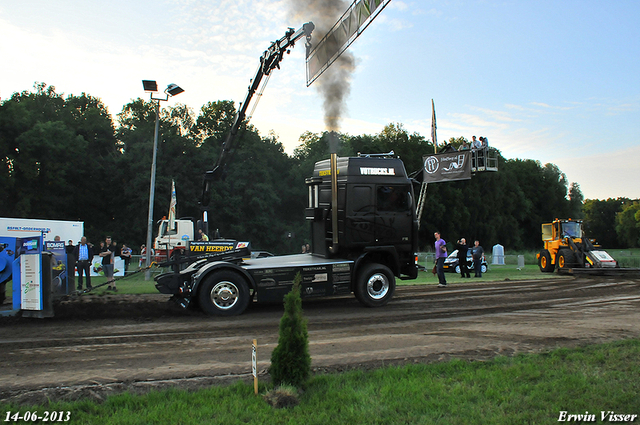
531	388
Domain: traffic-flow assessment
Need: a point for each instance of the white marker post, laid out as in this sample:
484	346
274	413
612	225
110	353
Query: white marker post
254	365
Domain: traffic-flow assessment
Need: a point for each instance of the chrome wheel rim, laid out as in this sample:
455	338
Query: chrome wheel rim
225	295
378	286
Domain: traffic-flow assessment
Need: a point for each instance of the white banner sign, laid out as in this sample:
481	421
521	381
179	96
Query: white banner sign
96	267
30	282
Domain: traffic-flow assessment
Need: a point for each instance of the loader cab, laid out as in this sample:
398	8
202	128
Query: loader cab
571	229
561	229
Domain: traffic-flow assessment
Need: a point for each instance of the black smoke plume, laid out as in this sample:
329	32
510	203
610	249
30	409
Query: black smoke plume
335	83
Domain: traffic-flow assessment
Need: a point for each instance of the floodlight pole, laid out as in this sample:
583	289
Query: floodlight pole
171	90
152	191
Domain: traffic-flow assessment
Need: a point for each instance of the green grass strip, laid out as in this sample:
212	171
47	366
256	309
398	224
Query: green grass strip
529	388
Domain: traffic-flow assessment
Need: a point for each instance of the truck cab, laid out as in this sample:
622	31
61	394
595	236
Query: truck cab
375	212
174	238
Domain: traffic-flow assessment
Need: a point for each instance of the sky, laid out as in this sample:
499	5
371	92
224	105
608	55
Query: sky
556	82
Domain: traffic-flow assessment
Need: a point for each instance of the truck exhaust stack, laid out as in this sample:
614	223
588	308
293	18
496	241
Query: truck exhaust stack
334	202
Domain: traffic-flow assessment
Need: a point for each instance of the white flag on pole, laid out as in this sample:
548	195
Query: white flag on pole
172	207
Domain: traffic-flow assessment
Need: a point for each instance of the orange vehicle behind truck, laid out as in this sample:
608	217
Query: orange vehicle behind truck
566	247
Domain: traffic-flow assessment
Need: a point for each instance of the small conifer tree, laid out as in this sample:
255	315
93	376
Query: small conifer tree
290	360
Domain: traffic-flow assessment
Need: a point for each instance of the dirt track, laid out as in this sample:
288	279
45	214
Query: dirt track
97	345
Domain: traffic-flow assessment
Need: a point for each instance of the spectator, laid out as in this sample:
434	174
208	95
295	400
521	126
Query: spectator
441	255
475	143
71	263
465	145
108	252
84	254
462	247
304	248
202	236
125	254
478	252
143	255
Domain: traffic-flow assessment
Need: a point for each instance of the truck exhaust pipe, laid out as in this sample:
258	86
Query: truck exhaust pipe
334	203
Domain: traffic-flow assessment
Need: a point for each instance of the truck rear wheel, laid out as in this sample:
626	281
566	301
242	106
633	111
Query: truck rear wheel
224	293
544	262
375	285
565	258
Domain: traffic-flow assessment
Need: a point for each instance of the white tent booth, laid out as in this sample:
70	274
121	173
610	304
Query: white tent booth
497	255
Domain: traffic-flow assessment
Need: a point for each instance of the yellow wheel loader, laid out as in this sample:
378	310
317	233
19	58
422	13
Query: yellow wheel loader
566	247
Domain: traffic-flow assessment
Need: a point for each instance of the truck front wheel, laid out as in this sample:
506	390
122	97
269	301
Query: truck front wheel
375	285
224	293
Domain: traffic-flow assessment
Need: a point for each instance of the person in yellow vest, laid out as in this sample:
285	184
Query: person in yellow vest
203	236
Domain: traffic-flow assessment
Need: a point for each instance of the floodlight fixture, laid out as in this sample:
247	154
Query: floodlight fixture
150	85
173	89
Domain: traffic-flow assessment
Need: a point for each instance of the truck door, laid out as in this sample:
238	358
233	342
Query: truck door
360	215
394	220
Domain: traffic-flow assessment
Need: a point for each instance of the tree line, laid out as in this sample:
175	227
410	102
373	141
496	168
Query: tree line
66	159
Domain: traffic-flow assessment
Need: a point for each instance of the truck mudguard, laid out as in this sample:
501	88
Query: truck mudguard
387	255
208	268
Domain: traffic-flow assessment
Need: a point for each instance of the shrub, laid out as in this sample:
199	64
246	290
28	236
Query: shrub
290	360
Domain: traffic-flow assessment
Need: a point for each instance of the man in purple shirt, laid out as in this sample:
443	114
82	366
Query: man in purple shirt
441	255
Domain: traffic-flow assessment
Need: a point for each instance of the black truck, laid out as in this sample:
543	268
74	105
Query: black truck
364	236
363	220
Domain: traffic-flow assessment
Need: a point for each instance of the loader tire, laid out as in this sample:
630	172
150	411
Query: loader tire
566	259
544	262
375	285
224	293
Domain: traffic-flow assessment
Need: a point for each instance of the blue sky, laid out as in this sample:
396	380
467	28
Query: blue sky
552	81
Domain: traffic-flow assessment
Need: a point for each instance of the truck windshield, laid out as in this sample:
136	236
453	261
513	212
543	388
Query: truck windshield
165	231
571	229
